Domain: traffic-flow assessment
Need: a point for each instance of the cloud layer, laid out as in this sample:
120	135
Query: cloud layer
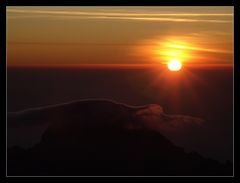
94	114
137	16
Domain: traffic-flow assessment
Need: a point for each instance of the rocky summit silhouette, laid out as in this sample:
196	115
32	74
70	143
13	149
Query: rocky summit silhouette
102	137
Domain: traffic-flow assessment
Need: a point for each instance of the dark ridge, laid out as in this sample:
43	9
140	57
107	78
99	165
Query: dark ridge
103	147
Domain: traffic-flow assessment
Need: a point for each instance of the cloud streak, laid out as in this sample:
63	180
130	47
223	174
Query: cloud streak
162	17
150	116
155	118
98	114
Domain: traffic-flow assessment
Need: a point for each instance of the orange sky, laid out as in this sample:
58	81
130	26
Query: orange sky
119	35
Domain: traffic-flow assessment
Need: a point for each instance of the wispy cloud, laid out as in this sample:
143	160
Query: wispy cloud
169	17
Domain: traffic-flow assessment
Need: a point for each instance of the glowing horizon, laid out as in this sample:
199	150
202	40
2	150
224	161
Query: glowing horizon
119	35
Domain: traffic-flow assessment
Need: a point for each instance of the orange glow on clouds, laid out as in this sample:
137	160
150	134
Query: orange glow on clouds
119	35
187	49
173	50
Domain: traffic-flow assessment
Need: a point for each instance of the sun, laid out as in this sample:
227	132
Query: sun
174	65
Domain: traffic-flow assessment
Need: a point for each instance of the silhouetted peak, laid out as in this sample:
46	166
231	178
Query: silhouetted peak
107	138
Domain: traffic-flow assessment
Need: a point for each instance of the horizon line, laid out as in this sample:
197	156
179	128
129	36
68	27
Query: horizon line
111	66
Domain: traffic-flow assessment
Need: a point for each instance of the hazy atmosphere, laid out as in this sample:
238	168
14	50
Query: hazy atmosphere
120	90
119	35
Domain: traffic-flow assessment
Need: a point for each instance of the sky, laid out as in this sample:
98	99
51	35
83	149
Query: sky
119	35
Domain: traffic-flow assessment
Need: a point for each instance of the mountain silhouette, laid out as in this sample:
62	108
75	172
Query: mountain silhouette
102	137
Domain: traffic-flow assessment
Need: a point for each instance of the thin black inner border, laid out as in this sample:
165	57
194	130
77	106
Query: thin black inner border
205	3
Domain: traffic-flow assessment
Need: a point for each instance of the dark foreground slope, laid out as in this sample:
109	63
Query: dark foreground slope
100	137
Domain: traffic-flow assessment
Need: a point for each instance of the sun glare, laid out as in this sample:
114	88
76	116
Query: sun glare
174	65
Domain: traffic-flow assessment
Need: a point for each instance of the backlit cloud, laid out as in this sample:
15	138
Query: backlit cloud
96	114
169	17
